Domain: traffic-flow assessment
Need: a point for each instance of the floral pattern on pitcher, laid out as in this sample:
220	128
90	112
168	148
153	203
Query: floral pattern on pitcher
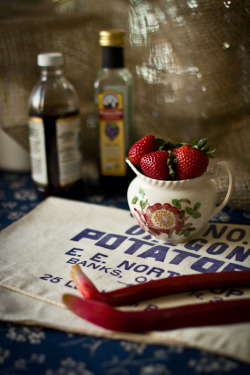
166	218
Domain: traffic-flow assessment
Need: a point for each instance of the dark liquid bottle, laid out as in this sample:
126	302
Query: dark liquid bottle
55	132
113	100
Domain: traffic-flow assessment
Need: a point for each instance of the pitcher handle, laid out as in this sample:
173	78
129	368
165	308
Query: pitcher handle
212	175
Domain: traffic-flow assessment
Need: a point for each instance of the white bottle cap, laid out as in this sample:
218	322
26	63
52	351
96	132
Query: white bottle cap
50	59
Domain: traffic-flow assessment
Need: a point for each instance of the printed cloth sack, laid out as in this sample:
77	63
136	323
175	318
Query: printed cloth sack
38	251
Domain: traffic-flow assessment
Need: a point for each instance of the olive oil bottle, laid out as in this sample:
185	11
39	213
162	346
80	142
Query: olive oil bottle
113	102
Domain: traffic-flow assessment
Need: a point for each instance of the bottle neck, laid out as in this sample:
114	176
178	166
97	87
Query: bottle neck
51	71
112	57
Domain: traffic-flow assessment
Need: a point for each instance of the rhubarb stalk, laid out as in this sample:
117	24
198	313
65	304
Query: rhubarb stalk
98	307
159	288
204	314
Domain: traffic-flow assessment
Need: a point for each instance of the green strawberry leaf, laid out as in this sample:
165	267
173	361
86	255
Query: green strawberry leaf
165	145
194	142
201	143
185	142
210	153
206	149
172	161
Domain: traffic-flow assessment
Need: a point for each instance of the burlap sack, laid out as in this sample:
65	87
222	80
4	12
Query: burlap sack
189	59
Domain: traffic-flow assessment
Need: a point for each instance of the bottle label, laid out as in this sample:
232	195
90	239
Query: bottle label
37	151
69	149
112	133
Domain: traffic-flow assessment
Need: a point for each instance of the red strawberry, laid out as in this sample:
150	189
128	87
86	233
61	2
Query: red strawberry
144	146
154	165
192	162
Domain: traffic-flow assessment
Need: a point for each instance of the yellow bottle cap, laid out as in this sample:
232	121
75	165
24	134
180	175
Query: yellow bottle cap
111	38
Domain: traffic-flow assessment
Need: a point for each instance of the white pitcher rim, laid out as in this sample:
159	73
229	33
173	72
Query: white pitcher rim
171	183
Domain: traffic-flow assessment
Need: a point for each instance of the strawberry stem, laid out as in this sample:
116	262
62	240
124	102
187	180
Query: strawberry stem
203	146
199	144
171	162
165	145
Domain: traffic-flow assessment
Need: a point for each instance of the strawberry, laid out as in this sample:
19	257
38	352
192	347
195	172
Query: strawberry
144	146
192	160
155	165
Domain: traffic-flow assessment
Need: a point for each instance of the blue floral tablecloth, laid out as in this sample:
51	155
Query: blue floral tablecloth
38	350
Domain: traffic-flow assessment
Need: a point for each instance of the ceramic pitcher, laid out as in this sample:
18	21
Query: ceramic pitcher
173	211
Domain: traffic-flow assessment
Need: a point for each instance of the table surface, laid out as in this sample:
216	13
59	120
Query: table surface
37	350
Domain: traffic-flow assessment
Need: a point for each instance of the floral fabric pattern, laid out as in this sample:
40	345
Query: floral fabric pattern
59	353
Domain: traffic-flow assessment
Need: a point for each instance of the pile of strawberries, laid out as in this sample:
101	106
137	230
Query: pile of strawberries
163	160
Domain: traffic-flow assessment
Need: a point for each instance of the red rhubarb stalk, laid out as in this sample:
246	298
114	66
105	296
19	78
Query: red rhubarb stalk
159	288
204	314
83	283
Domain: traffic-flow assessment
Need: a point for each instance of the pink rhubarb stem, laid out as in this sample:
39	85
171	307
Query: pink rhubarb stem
83	283
204	314
159	288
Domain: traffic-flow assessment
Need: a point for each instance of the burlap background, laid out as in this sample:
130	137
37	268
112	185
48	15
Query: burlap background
190	61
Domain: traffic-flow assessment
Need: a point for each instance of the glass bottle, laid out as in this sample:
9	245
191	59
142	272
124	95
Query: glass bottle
113	102
55	132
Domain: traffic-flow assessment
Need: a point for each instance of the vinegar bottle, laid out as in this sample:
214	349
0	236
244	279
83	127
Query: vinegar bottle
55	132
113	101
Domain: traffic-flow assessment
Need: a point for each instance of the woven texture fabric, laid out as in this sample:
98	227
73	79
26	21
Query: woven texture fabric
190	62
